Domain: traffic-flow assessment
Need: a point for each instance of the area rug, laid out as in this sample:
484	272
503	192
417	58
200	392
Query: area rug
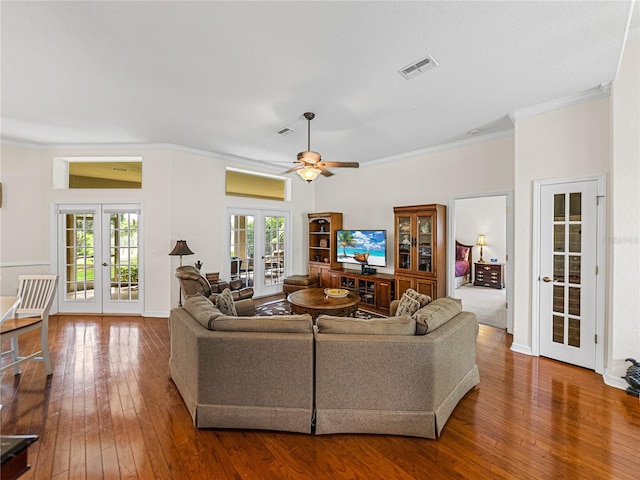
282	307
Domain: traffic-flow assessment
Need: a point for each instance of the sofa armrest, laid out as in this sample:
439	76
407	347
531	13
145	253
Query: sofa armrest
393	307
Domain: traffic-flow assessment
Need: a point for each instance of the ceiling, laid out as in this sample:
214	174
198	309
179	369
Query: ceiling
224	77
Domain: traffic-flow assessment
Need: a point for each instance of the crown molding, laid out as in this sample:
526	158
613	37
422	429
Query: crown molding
442	147
601	91
21	144
144	146
237	160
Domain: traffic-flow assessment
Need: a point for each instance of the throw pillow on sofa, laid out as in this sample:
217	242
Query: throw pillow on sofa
225	303
376	326
407	306
420	297
201	308
436	314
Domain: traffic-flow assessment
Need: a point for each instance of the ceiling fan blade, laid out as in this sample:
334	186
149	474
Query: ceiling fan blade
324	172
293	169
339	164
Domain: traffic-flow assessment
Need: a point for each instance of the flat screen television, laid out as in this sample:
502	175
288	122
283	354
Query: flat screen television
362	247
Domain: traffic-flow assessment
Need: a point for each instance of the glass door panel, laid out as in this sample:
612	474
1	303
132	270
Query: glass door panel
566	299
403	243
425	243
78	259
274	237
123	256
242	249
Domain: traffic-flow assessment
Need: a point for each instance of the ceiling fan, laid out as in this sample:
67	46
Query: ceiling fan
311	164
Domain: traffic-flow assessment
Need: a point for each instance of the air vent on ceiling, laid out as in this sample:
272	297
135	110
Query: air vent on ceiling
285	131
416	68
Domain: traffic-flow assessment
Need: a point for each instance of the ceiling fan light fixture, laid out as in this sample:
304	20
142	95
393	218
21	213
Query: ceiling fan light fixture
309	173
309	156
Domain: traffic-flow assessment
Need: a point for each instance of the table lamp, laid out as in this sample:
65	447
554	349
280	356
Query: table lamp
180	249
482	242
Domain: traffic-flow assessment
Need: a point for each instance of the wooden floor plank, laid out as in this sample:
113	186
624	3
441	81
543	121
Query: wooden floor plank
110	410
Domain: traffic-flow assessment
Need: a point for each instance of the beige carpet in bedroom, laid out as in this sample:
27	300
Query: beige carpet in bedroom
489	304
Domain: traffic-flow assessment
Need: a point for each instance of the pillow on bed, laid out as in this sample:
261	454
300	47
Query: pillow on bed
462	253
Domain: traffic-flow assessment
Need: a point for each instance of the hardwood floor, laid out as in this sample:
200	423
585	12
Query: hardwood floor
110	411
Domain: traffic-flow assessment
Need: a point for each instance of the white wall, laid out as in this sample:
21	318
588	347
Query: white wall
483	215
624	212
567	142
367	196
22	216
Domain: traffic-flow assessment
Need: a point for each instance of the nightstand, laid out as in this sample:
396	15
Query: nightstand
489	275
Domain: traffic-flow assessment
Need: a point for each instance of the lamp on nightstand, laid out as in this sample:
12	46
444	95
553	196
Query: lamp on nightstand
483	243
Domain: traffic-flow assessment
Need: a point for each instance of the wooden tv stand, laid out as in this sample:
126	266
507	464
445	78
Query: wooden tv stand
376	290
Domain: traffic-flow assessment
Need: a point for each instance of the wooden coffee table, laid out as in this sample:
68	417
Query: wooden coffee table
314	302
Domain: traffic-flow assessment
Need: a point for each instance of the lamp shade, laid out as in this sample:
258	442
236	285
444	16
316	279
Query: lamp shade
181	248
309	173
481	240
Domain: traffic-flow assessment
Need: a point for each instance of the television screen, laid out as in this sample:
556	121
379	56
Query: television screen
362	247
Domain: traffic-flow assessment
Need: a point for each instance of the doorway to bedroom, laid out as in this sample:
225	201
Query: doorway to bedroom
480	245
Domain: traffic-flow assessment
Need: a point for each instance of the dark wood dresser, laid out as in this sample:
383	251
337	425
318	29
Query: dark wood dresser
489	275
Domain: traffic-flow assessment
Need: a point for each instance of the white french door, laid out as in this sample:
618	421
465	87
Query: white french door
258	249
568	276
99	258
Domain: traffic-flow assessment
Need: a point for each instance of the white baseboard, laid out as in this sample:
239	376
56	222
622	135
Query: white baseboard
519	348
614	381
156	314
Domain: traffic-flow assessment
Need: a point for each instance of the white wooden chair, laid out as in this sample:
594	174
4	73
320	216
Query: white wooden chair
36	295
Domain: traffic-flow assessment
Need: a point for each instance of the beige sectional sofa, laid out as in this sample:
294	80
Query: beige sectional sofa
341	375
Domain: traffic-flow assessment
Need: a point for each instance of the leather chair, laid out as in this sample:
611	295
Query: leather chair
192	282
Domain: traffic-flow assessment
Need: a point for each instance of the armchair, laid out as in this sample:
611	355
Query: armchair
192	282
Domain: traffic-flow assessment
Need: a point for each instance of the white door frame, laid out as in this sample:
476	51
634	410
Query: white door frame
259	213
600	262
451	245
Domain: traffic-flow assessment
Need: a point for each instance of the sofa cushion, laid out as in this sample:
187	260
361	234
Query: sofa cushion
407	306
273	324
201	308
436	313
420	297
225	303
404	325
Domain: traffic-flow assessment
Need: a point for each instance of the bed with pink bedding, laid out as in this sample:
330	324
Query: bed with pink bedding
463	264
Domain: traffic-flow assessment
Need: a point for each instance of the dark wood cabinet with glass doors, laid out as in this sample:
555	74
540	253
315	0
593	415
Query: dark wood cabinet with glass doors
420	249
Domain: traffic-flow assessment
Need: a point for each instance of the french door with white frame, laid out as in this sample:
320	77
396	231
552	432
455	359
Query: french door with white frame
258	249
99	258
568	272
